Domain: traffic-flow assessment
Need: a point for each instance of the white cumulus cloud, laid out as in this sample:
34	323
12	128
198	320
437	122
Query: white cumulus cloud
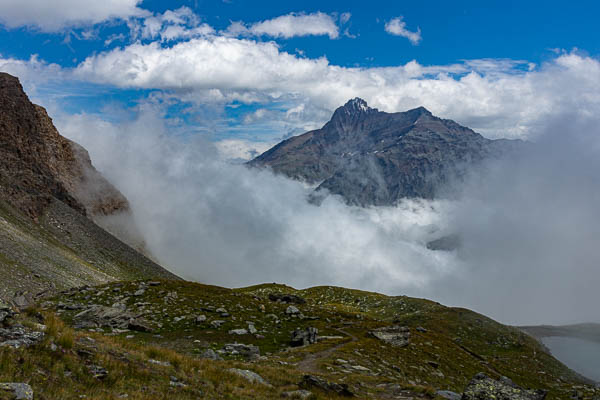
397	26
496	97
291	25
178	24
52	16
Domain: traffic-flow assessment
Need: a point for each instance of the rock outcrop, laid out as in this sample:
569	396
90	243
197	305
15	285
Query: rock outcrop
375	158
62	224
304	337
16	391
38	164
483	387
398	336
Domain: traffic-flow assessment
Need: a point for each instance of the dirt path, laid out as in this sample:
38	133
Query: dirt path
310	363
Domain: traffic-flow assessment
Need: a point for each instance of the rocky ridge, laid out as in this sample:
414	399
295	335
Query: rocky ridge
56	208
37	164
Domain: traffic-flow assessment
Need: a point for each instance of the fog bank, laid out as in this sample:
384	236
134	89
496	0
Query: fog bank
528	224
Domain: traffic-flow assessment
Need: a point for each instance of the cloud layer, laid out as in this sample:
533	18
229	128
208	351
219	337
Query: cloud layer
500	98
528	224
55	15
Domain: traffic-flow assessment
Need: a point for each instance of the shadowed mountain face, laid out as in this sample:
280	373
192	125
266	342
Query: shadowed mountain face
371	157
37	164
51	198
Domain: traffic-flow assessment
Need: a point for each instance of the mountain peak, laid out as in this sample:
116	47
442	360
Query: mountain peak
357	106
421	110
353	108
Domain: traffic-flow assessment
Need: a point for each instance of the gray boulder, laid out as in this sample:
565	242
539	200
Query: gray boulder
447	394
250	376
398	336
210	354
304	337
249	351
286	298
18	336
16	391
98	316
483	387
311	381
6	313
291	310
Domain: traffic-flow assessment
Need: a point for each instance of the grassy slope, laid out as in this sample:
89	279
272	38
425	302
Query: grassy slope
63	250
458	343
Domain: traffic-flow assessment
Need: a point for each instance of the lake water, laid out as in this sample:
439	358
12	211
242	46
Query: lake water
580	355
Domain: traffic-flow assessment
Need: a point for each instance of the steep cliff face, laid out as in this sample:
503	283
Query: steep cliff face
53	206
376	158
37	163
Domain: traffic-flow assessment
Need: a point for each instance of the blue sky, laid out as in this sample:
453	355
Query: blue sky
451	31
463	60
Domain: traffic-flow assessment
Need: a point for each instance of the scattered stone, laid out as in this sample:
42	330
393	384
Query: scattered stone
21	301
16	391
298	394
304	337
18	336
447	394
248	351
250	376
139	292
238	332
97	316
6	312
84	353
398	336
139	325
98	372
286	298
210	354
291	310
161	363
220	310
252	329
360	368
341	361
421	329
217	323
309	381
201	318
484	387
174	382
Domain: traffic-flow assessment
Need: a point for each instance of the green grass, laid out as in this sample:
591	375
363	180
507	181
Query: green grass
457	344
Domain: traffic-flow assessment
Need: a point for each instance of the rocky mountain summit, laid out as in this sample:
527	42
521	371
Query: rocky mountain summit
55	208
371	157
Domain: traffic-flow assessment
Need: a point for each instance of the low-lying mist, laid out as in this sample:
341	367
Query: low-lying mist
528	224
